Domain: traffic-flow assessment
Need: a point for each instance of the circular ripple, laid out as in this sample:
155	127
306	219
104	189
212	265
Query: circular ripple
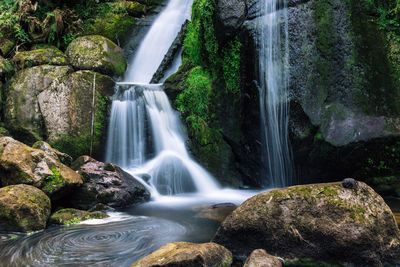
112	244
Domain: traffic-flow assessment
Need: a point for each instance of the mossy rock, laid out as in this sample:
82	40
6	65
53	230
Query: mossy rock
40	56
6	68
6	46
95	52
21	164
54	153
187	254
321	221
74	216
23	208
133	8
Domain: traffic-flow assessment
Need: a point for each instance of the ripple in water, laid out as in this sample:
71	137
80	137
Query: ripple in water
112	244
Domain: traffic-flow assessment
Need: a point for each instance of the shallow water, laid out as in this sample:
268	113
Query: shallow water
121	239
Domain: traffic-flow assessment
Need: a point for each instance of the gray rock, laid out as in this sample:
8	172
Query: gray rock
106	184
260	258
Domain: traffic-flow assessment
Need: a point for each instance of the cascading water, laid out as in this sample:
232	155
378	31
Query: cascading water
143	124
273	73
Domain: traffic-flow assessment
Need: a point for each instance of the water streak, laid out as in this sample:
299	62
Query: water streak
274	76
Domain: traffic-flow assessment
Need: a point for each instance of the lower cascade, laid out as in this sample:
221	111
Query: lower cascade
147	138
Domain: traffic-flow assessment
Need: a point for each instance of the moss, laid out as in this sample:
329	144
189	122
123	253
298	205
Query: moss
53	183
231	67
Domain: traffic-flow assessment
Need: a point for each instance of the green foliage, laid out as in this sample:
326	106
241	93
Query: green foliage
231	66
53	182
387	13
194	101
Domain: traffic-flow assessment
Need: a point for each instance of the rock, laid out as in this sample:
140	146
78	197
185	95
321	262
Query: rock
22	106
74	216
320	221
217	212
54	153
23	208
6	46
134	9
260	258
41	56
21	164
67	112
107	184
96	53
350	183
189	255
397	217
231	15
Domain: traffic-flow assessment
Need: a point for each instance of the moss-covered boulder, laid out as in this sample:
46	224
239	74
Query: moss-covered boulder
188	254
23	208
260	258
21	164
133	8
6	46
68	111
40	56
6	68
95	52
54	153
106	184
22	110
74	216
320	221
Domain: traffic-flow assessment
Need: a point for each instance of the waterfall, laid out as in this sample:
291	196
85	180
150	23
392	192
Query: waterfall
145	134
274	98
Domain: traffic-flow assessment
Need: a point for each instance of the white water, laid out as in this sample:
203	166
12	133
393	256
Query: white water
157	41
273	67
145	133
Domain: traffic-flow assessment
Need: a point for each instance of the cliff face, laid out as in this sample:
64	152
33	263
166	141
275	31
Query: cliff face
344	94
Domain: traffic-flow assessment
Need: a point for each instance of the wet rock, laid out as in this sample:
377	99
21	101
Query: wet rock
21	164
6	68
54	153
187	254
231	15
107	184
96	53
40	56
350	183
320	221
23	208
74	216
260	258
217	212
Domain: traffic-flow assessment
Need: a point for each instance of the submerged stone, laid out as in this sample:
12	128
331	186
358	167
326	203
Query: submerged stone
188	255
23	208
320	221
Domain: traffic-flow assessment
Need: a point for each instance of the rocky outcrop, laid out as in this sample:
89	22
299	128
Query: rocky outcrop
187	254
23	208
21	164
96	53
230	17
74	216
106	184
320	221
216	212
40	56
260	258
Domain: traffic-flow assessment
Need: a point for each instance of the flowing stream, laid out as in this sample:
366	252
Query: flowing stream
273	84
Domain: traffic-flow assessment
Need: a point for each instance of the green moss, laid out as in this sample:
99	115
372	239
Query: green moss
231	67
53	183
74	216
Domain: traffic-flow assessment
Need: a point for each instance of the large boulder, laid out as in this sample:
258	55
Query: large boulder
106	184
40	56
54	153
21	164
23	208
96	53
231	14
320	221
22	107
74	216
189	255
54	103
